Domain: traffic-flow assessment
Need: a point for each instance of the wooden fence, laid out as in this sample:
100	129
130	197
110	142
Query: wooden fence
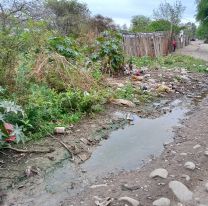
150	44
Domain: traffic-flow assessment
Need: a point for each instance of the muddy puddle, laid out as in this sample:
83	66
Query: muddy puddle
126	149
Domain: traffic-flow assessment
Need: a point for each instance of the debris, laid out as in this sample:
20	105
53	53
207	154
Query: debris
161	202
130	200
104	202
163	89
9	129
137	78
123	102
84	156
190	165
60	130
181	191
129	117
29	151
163	173
31	171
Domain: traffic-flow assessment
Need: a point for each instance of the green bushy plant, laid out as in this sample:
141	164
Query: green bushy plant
65	46
11	113
109	50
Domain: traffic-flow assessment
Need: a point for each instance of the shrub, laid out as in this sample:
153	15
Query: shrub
109	51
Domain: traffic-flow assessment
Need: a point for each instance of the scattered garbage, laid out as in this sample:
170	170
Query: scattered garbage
9	129
60	130
123	102
163	89
103	202
31	171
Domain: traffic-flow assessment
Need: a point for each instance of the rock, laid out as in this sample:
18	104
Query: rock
190	165
60	130
163	173
181	191
206	186
161	202
186	177
123	102
197	146
129	117
97	186
206	153
183	154
130	200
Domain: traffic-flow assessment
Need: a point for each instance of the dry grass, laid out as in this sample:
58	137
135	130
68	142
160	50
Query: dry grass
60	73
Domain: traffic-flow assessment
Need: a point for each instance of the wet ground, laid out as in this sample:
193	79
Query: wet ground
131	138
126	149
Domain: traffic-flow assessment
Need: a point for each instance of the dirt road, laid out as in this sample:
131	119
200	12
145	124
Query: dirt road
196	49
169	134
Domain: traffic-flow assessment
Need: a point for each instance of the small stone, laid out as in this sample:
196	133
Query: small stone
186	177
130	200
206	186
163	173
181	191
161	202
206	153
197	146
183	154
190	165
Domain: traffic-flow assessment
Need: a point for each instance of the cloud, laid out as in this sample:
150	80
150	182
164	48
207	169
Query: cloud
122	10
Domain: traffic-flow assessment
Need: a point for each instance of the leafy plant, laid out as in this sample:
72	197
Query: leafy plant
109	50
7	110
65	46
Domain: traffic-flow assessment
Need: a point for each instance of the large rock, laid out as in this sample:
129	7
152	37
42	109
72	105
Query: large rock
163	173
161	202
181	191
130	200
190	165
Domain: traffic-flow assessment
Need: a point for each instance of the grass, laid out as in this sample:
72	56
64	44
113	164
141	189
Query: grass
171	62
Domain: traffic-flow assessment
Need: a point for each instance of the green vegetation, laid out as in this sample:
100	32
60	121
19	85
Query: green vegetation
171	62
202	17
53	60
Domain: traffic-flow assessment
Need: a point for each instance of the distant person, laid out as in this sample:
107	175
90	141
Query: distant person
174	45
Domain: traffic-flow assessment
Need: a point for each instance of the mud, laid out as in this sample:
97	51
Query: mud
60	180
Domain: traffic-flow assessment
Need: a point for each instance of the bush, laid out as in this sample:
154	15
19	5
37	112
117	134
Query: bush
109	51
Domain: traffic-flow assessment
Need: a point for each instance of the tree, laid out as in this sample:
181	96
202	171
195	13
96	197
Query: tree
140	23
100	23
202	17
69	16
170	12
159	25
190	29
10	9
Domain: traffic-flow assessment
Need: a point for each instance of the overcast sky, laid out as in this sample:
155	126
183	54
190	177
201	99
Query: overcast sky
122	10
